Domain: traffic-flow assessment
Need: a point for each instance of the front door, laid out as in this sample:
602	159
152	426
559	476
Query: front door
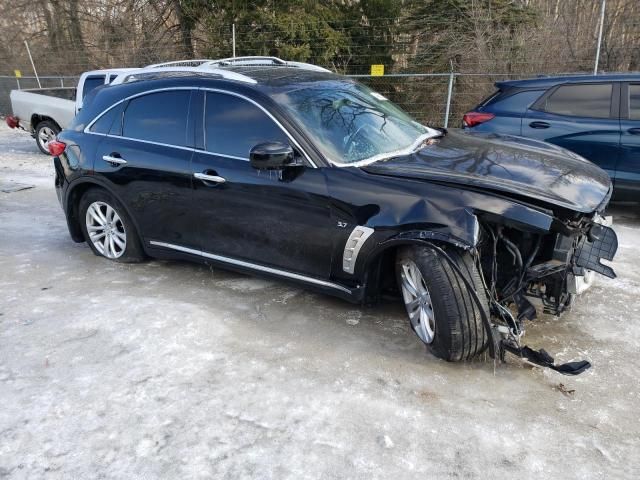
146	158
278	219
582	118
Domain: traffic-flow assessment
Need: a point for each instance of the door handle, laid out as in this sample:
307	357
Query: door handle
634	131
114	160
539	125
209	178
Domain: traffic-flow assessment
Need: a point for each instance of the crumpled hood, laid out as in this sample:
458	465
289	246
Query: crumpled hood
508	164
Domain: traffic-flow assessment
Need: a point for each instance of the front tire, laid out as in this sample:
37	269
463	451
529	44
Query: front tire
107	227
45	132
441	310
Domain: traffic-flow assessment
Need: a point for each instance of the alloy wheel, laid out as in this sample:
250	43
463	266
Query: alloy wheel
417	301
106	230
46	135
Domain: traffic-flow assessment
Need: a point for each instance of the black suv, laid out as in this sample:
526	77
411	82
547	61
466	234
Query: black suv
289	171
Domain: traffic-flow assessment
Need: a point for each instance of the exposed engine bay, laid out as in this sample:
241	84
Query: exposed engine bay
553	267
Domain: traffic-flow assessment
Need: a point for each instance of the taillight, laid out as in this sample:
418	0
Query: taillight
12	121
472	119
56	147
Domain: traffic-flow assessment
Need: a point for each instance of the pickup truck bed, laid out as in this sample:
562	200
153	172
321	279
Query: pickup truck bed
55	103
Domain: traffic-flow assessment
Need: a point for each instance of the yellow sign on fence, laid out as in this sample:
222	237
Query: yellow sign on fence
377	70
18	73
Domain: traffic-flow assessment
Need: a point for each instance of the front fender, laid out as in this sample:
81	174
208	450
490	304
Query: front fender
461	230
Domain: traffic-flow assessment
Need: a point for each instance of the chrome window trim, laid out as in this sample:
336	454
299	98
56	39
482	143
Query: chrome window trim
151	142
216	90
139	94
253	266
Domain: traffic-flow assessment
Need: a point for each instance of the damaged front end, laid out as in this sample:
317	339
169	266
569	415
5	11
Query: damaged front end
552	267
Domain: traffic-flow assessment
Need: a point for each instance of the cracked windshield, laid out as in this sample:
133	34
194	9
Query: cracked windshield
351	123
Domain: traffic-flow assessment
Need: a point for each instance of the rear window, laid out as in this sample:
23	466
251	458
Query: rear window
634	102
109	122
516	103
91	83
585	100
491	97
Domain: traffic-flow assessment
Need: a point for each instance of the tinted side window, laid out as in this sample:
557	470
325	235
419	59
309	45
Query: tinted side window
104	123
158	117
634	102
91	83
233	126
587	100
517	103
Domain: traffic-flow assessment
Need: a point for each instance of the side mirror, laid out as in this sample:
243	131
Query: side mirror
271	156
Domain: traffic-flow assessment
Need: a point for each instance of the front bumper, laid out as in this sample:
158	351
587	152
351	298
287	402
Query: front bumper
600	243
589	253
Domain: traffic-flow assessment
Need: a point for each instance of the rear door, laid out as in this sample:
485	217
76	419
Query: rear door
581	117
146	159
627	181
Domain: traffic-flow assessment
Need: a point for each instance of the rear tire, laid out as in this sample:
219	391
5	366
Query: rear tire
448	319
46	131
108	229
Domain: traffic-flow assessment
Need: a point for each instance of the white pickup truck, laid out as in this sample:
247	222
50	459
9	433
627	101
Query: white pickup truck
46	111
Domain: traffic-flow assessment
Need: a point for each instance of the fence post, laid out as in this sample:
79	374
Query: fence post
595	68
449	93
62	82
32	64
233	38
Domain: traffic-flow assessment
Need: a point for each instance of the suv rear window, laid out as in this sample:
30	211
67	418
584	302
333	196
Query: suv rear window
581	100
516	103
158	117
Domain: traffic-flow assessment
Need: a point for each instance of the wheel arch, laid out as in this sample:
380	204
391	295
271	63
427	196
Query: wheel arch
36	119
377	269
75	192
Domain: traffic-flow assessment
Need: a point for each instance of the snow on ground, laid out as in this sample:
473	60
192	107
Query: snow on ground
175	370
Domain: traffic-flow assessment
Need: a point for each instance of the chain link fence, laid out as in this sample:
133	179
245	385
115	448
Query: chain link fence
438	63
8	83
425	96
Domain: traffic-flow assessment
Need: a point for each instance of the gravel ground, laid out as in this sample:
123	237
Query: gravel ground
175	370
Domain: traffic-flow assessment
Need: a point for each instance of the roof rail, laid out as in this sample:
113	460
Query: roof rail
250	60
181	63
246	61
257	61
154	72
210	67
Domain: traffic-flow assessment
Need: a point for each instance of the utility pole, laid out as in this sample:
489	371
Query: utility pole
595	68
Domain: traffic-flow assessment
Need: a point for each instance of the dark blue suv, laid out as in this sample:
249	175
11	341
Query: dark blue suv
598	117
